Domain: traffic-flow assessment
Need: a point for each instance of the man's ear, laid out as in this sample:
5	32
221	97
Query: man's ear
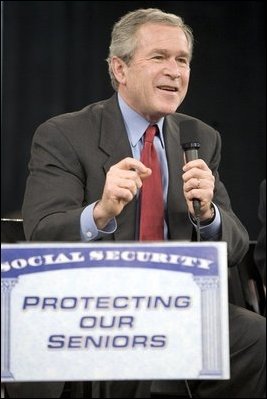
119	69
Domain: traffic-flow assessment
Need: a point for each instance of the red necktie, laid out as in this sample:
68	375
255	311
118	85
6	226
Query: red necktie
151	208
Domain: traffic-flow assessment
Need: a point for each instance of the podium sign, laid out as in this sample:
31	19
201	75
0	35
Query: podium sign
114	311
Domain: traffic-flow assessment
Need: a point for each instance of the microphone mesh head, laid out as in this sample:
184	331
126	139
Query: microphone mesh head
189	135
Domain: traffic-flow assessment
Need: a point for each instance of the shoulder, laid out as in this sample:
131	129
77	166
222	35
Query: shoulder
79	119
182	119
76	125
180	127
206	133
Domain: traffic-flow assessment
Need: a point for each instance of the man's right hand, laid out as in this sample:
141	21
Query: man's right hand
122	183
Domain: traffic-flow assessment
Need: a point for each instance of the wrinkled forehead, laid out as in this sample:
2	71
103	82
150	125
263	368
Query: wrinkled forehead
160	36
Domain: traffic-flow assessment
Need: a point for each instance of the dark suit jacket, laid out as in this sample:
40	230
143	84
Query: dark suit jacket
70	157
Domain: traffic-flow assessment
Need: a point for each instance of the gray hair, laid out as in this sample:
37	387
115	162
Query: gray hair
124	39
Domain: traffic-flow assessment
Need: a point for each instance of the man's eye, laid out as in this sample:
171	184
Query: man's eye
158	57
182	61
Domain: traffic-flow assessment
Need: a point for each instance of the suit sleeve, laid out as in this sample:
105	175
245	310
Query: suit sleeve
232	230
54	195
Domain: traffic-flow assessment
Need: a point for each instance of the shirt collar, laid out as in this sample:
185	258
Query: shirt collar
135	124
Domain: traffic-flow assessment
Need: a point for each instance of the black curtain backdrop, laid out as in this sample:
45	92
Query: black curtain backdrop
53	61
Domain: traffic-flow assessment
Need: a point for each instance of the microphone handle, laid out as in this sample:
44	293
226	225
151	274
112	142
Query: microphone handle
191	155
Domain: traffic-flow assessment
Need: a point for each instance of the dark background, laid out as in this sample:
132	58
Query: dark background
54	55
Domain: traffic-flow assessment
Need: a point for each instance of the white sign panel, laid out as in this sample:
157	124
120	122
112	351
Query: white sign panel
114	311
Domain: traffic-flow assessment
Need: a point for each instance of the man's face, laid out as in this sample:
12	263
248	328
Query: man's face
156	81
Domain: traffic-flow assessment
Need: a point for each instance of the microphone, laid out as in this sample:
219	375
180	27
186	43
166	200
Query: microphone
190	144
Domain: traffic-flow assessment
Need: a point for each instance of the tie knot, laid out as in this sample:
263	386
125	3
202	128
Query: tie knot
150	133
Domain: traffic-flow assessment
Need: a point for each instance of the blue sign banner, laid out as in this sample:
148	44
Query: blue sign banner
195	259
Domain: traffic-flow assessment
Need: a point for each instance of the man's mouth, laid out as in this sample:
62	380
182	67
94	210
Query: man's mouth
168	88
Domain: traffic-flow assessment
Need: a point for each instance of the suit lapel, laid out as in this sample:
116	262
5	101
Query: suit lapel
113	138
114	142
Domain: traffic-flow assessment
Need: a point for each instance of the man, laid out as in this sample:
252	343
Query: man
86	179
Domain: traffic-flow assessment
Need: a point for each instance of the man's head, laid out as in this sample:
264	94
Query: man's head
149	61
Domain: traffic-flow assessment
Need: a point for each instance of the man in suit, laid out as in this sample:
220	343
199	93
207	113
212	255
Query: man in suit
86	177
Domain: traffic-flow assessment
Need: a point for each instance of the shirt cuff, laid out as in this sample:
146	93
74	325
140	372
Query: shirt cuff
211	231
89	230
